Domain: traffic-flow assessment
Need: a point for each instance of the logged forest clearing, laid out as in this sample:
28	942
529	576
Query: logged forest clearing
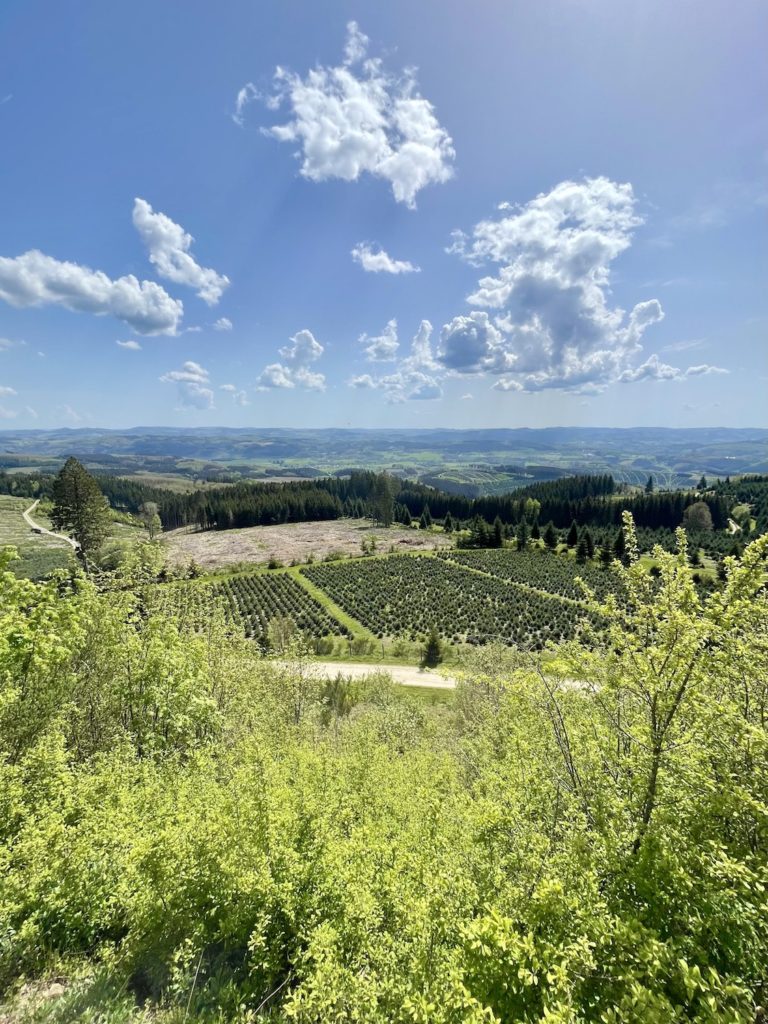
290	543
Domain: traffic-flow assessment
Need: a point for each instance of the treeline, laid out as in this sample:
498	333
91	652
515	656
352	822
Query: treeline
588	500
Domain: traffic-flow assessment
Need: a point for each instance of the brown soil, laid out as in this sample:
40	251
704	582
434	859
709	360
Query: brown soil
294	542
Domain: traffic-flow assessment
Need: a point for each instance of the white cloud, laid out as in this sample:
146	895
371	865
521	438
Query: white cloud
294	370
169	244
246	95
34	279
704	369
192	385
380	261
654	369
357	44
414	379
6	343
223	324
357	118
239	397
66	412
382	348
31	412
6	391
553	326
134	346
467	397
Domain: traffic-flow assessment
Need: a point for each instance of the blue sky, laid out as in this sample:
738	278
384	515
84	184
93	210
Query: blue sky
435	214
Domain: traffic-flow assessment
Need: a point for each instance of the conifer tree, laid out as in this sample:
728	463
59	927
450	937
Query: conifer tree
448	523
606	554
498	533
573	535
589	543
581	550
649	486
535	531
80	508
522	535
550	536
620	545
433	651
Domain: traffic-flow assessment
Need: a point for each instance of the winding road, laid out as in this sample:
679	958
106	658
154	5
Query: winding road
41	529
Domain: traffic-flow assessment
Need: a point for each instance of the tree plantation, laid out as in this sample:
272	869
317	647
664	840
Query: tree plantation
405	596
249	602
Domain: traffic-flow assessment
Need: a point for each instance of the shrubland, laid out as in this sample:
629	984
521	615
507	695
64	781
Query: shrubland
191	832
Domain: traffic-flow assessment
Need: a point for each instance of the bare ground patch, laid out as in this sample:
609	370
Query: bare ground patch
294	542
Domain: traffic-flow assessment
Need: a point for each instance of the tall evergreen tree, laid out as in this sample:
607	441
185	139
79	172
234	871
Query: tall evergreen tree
649	486
550	536
535	531
433	651
606	553
80	508
620	545
589	543
448	523
581	550
573	535
498	533
522	535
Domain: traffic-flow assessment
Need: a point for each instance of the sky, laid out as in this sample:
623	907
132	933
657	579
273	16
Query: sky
433	214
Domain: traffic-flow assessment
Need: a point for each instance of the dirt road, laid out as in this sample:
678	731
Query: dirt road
41	529
405	675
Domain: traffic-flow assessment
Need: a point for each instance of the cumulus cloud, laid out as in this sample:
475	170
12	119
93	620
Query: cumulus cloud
383	347
552	326
34	279
654	369
294	370
239	397
414	379
223	324
381	262
168	245
134	346
5	391
192	384
357	118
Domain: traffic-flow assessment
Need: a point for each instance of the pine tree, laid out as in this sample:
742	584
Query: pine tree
406	520
581	550
522	535
550	536
649	486
535	531
498	533
424	521
703	484
80	508
619	545
433	651
606	554
448	523
573	535
590	544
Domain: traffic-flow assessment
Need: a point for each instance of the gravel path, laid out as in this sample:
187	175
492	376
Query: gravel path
405	675
41	529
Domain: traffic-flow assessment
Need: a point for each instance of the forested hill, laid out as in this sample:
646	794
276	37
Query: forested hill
593	500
